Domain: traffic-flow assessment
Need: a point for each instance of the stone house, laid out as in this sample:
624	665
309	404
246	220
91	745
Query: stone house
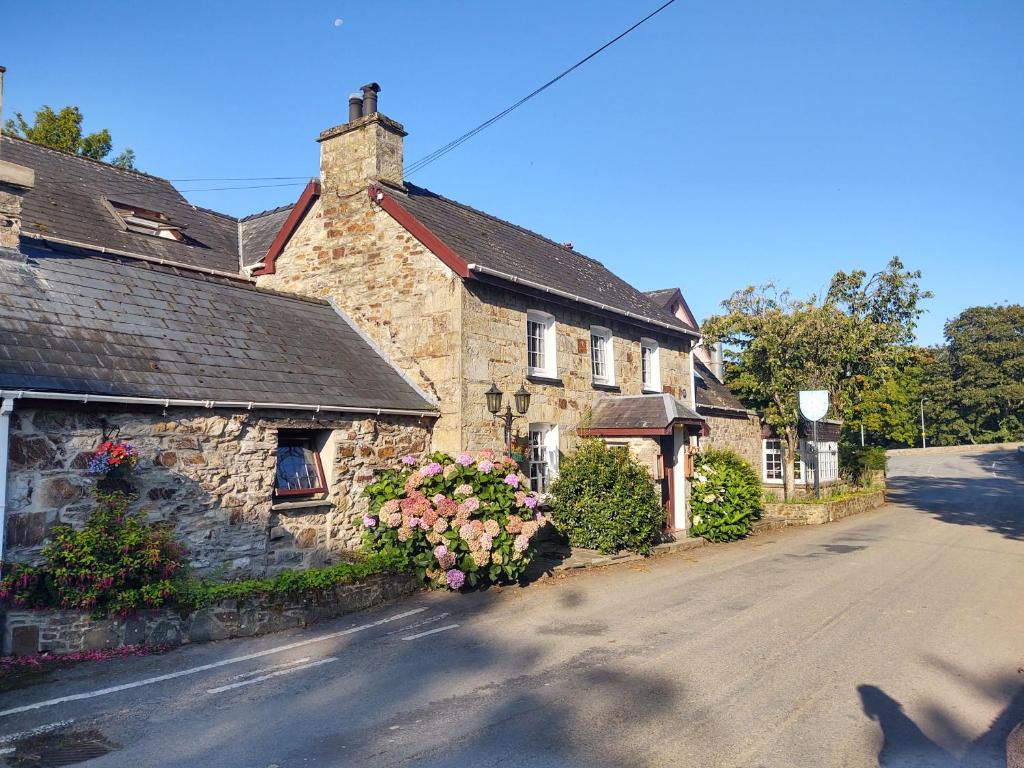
462	301
124	314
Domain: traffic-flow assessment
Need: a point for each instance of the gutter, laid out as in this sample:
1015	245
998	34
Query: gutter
167	402
6	407
573	297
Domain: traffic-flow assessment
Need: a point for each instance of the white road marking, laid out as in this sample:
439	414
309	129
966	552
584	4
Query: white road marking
37	731
423	623
7	751
431	632
278	673
205	667
276	667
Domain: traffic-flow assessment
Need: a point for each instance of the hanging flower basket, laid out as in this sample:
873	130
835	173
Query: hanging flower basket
113	460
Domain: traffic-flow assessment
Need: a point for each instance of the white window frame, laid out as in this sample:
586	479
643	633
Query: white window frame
770	448
653	382
542	456
547	354
607	355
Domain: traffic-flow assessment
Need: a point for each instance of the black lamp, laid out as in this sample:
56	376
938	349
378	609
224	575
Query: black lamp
494	396
522	400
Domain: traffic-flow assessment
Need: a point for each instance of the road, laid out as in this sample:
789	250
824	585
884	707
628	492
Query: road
891	638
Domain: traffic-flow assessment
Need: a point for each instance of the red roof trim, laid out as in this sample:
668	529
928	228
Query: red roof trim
421	232
306	199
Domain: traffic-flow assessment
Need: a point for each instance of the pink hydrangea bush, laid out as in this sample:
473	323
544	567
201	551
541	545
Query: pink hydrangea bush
460	520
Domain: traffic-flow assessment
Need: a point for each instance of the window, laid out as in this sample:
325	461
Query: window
650	367
803	465
299	472
773	460
543	456
602	355
540	345
145	222
828	461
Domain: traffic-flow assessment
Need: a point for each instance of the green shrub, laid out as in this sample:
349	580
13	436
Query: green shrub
115	564
725	496
604	499
856	462
457	520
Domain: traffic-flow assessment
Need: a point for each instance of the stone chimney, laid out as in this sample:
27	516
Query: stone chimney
367	148
15	181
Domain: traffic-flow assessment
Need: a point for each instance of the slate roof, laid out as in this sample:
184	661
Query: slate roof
75	321
480	238
709	392
67	202
661	296
639	412
258	231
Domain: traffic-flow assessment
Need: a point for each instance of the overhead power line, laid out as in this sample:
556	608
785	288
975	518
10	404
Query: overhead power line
437	154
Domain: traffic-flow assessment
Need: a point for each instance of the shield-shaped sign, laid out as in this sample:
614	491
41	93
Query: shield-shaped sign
814	404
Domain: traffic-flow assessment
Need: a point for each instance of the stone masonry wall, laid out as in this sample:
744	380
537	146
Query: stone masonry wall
494	328
209	473
740	433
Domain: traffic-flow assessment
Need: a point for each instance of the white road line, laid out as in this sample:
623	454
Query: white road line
278	673
274	668
37	731
431	620
431	632
205	667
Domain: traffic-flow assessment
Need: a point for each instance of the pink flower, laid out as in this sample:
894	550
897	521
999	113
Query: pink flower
464	459
521	543
472	504
455	578
511	479
464	490
481	558
440	550
431	469
440	525
408	460
485	542
520	498
369	522
450	470
492	528
438	498
531	502
485	466
514	524
447	508
394	519
414	522
390	506
414	481
404	533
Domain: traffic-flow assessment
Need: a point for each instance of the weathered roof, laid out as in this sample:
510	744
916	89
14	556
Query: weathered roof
75	321
67	203
479	238
621	413
258	231
661	296
710	392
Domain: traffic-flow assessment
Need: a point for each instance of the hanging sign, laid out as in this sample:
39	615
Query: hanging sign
813	404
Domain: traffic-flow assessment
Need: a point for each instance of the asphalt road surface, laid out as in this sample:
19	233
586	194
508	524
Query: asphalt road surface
891	638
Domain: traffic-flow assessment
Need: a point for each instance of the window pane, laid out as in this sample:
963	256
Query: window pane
535	344
297	469
538	461
597	356
645	365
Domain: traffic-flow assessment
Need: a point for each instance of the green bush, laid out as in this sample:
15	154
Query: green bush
459	520
604	499
725	496
115	564
856	462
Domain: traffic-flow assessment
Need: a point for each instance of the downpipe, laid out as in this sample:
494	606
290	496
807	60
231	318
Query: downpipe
6	407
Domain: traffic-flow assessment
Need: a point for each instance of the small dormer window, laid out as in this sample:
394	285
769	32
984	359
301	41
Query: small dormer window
144	221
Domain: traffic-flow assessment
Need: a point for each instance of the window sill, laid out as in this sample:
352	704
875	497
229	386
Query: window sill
537	379
649	391
287	506
605	387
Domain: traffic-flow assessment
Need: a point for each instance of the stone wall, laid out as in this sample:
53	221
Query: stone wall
735	432
209	473
826	512
494	339
30	632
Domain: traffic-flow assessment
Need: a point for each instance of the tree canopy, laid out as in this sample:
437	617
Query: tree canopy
63	130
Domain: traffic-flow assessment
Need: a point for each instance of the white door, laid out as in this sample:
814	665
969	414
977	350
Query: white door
682	519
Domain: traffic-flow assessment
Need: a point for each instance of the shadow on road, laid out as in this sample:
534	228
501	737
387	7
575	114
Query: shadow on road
993	500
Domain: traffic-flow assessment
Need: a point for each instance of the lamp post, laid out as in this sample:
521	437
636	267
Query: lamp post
924	440
494	397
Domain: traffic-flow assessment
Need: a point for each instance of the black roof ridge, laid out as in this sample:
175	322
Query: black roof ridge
506	222
102	163
204	209
267	212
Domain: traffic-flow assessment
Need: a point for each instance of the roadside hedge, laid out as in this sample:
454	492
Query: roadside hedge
725	496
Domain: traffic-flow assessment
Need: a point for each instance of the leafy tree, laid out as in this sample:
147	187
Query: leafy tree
63	130
975	384
778	345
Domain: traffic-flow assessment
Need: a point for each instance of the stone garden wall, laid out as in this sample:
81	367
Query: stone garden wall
826	512
29	632
209	474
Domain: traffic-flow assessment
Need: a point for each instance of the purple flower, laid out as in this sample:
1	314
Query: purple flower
464	459
530	501
431	469
408	460
512	479
440	550
455	578
538	516
369	522
485	466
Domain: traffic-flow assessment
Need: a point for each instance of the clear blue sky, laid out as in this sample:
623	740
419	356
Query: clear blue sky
721	144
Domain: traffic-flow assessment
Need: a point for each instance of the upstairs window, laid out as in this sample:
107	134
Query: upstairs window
650	366
299	471
540	345
602	356
144	221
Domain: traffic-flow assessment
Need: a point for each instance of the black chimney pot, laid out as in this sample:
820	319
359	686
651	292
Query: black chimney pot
355	107
370	91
